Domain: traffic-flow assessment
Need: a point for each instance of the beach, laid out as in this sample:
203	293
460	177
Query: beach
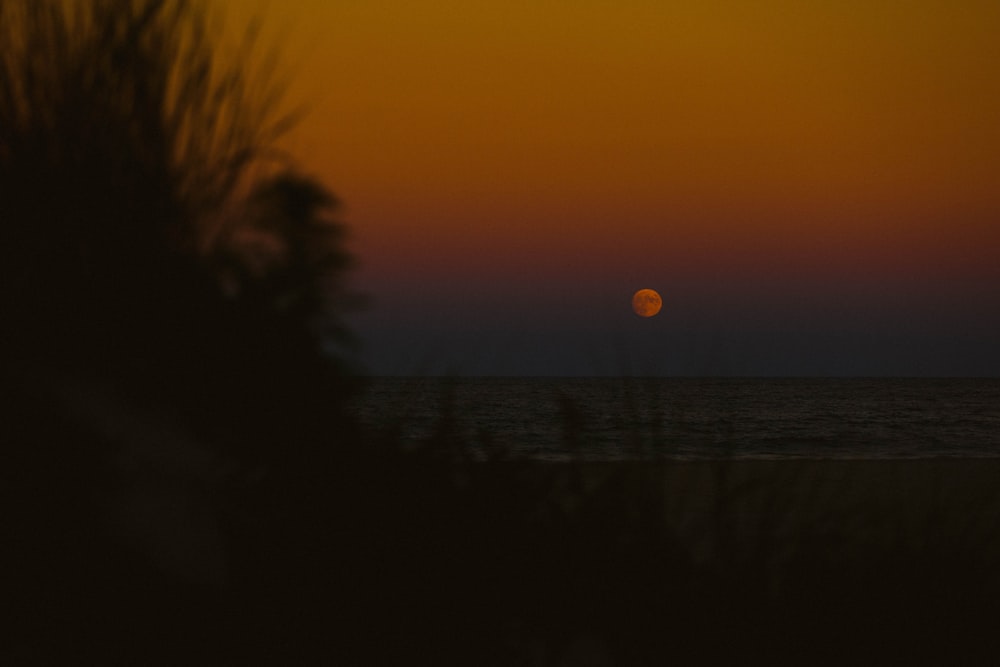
868	504
382	558
803	561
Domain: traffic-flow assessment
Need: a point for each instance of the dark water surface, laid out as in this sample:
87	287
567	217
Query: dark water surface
689	418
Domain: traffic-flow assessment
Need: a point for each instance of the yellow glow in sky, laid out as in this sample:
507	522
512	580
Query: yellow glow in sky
834	123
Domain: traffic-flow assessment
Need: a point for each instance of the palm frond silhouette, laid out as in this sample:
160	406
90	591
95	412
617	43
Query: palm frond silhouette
139	172
172	292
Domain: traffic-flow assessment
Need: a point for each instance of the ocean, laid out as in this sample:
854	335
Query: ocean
618	419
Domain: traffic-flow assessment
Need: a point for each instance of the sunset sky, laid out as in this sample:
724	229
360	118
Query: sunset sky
813	187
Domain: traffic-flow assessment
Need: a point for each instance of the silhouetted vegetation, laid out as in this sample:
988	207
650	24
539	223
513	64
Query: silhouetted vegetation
186	485
172	346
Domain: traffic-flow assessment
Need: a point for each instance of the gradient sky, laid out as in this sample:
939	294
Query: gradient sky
813	187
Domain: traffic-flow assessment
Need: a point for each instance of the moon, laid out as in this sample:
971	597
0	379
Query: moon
646	302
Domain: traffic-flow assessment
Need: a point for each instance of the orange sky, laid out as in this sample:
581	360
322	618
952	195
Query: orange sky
704	147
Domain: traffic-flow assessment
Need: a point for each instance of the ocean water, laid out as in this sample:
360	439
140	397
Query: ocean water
689	418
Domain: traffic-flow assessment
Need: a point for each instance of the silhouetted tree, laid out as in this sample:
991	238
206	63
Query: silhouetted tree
138	180
171	292
288	256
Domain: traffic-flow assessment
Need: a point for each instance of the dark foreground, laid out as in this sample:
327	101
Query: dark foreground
401	560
